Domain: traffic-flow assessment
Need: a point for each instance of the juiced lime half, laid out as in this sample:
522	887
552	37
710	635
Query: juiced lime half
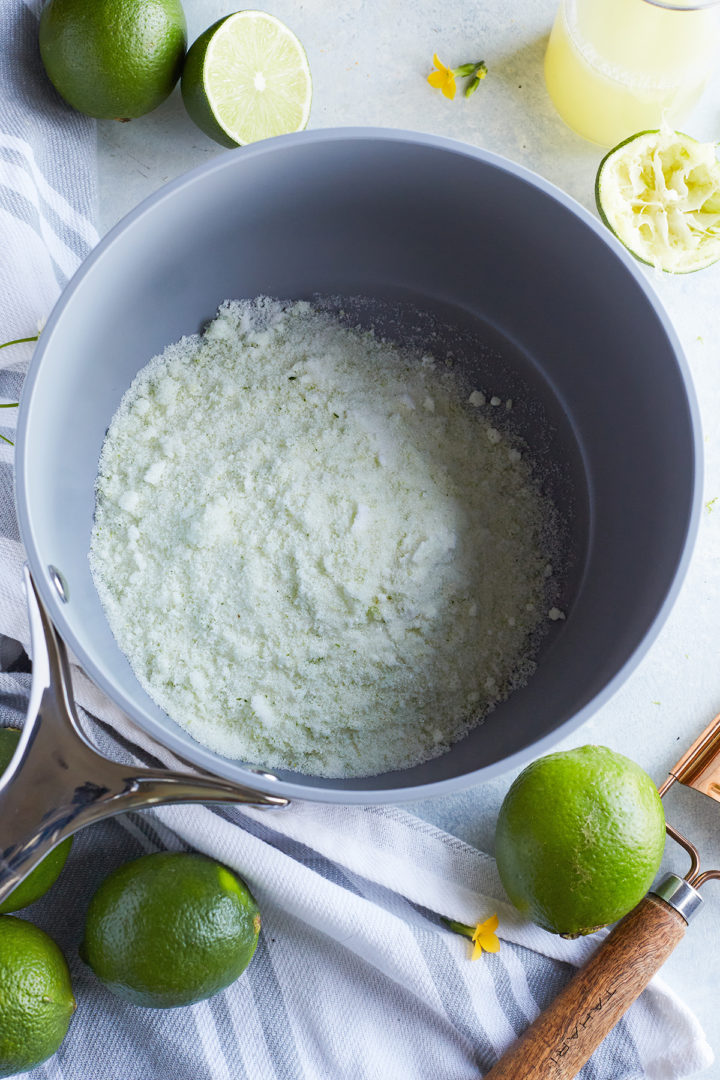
247	78
659	192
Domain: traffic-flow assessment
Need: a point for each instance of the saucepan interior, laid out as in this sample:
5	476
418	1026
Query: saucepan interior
441	239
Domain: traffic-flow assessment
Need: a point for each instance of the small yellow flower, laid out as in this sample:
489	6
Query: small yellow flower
443	78
484	937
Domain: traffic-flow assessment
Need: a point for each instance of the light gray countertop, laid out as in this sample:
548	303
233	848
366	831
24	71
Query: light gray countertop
369	60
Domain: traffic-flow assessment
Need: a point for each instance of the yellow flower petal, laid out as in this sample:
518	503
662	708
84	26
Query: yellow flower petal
443	78
484	937
488	942
489	926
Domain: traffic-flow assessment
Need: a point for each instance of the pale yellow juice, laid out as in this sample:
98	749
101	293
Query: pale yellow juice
615	67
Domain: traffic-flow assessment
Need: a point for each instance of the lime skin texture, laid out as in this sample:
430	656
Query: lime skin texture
170	929
579	839
36	998
113	59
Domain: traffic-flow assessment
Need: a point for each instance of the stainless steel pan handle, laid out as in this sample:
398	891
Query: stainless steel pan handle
57	782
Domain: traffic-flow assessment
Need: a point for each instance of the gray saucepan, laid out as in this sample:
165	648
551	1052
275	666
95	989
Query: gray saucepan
489	261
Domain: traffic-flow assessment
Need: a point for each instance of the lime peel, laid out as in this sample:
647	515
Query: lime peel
659	193
36	998
579	838
247	78
113	59
170	929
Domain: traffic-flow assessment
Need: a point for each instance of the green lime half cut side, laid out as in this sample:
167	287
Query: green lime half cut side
659	192
247	78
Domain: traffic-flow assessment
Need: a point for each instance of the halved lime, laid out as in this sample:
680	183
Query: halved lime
659	192
247	78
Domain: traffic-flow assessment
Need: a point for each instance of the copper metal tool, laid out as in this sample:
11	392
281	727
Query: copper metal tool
560	1041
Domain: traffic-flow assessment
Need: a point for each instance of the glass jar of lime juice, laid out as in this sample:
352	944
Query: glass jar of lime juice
616	67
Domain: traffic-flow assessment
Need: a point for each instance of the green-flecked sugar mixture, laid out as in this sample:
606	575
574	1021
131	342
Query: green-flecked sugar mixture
316	552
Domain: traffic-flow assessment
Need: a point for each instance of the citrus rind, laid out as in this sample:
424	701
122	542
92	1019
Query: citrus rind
579	839
113	59
170	929
659	193
36	998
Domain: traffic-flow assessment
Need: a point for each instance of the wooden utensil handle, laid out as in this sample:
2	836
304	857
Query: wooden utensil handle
560	1041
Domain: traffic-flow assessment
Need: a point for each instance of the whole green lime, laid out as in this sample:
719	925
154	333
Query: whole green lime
36	998
170	929
114	59
579	839
45	874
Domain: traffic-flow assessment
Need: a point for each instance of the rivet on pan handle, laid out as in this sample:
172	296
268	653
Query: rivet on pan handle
57	782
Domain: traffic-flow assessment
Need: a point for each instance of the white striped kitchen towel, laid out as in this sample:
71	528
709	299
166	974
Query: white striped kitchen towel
355	977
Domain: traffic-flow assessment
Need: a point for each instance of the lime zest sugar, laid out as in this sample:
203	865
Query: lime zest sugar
314	551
